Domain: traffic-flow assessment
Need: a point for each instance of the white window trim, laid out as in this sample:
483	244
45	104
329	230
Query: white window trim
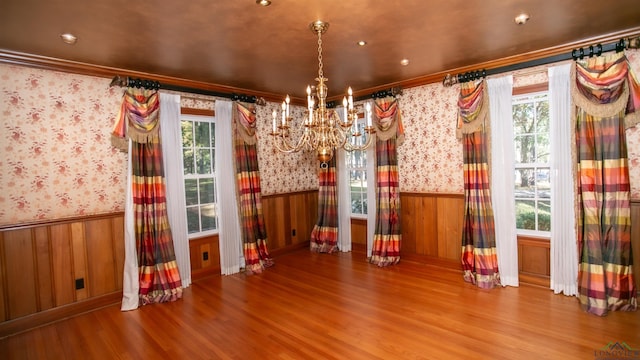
210	119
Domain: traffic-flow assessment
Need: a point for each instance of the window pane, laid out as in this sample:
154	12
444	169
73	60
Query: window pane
364	204
208	217
191	191
213	161
525	184
187	158
203	161
203	139
356	203
543	148
187	134
523	118
525	145
213	134
544	215
525	214
207	191
542	113
543	183
193	220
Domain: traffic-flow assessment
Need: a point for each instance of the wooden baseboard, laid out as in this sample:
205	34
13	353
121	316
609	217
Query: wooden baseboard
431	260
204	273
536	280
16	326
287	249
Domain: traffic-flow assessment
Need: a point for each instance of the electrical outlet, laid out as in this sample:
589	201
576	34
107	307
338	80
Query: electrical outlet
79	283
205	256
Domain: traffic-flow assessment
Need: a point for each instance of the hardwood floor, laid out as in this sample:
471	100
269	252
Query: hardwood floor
317	306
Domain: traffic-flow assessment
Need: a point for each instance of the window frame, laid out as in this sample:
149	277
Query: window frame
196	115
532	90
361	123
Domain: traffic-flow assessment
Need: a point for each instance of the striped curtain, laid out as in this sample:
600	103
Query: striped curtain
324	236
387	237
605	92
479	254
254	234
138	121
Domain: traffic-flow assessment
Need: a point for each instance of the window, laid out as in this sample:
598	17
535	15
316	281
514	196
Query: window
357	166
198	156
532	166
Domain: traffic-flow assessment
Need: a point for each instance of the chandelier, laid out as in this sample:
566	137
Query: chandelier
322	129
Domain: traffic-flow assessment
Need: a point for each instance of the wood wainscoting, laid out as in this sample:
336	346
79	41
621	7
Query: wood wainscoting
432	233
56	269
53	270
289	219
432	228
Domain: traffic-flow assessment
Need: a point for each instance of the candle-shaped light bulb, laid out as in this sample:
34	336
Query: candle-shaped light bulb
344	109
368	106
284	108
287	100
350	92
274	120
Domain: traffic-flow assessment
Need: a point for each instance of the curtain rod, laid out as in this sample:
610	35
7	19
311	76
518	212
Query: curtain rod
575	54
125	81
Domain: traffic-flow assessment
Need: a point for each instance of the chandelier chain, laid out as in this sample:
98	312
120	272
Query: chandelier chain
320	72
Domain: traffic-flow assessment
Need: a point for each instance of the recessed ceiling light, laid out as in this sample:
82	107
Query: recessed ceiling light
69	38
404	62
263	2
362	43
521	19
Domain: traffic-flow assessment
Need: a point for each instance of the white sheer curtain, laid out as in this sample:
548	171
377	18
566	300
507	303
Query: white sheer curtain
171	134
371	196
228	219
130	280
344	198
564	253
503	178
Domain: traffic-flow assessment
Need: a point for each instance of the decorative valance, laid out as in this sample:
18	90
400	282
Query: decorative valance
605	86
245	120
473	107
387	120
137	119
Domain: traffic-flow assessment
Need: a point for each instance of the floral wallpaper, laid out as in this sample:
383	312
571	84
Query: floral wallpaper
56	158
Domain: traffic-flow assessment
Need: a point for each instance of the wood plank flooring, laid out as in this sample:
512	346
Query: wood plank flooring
319	306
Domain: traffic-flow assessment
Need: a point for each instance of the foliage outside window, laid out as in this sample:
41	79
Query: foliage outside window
357	166
532	165
198	155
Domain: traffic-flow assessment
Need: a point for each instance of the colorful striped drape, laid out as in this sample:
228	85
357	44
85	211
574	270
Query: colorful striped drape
603	91
254	234
159	278
324	236
479	254
387	238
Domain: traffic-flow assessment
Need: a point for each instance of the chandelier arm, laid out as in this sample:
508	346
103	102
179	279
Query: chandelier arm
323	132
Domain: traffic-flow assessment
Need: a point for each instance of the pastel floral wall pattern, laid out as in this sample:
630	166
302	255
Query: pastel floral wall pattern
56	158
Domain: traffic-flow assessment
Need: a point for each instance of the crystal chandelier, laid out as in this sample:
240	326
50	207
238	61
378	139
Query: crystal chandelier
322	128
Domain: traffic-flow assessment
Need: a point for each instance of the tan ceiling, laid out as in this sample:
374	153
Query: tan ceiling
271	49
